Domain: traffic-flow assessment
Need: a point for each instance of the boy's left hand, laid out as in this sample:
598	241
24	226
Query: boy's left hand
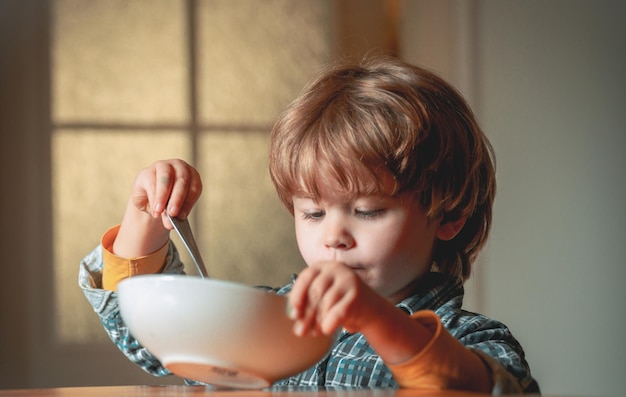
329	295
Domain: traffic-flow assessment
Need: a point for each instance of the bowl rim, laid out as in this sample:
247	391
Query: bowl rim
193	280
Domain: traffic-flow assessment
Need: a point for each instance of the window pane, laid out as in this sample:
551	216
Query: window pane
249	235
256	56
119	61
92	175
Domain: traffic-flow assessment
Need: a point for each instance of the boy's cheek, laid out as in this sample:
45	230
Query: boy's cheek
309	252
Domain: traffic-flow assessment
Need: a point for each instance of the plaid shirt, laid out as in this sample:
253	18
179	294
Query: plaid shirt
351	362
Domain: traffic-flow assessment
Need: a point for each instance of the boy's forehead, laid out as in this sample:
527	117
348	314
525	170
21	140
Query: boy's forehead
356	182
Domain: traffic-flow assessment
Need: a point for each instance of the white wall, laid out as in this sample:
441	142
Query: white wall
553	96
546	79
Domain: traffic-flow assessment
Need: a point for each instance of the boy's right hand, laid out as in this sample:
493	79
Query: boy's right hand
167	185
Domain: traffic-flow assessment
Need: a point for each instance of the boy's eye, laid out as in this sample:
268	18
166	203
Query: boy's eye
313	215
369	214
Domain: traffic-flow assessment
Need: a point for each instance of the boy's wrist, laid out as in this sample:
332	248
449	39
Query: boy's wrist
116	268
396	336
444	363
140	234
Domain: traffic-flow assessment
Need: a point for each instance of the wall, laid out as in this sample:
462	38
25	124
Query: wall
553	94
546	79
23	151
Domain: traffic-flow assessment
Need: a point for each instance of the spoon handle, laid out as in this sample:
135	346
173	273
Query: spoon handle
183	229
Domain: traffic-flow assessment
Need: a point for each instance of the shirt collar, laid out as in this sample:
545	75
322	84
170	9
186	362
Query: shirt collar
435	290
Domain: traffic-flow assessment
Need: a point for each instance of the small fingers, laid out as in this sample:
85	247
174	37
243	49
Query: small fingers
162	177
167	187
193	189
298	297
177	187
319	293
335	311
318	300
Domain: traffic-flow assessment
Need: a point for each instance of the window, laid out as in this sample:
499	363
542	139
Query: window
136	81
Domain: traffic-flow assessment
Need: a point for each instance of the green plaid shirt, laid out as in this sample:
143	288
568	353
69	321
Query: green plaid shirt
351	363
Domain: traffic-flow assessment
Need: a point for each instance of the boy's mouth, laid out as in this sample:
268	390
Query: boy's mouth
357	268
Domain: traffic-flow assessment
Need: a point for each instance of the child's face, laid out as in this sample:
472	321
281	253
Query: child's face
388	241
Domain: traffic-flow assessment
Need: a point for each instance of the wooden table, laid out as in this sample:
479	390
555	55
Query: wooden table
197	391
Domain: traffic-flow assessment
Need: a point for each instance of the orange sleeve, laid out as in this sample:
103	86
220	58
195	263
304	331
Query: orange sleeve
443	364
115	268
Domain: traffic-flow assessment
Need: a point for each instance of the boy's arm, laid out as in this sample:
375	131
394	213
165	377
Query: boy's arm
443	363
330	294
422	354
171	186
105	304
117	268
461	351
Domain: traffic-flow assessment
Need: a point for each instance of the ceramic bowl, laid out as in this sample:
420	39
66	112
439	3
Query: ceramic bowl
216	332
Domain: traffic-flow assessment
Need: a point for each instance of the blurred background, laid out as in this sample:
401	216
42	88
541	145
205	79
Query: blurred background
93	91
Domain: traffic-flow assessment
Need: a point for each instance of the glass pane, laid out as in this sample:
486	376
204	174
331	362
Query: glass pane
119	61
92	176
248	234
256	56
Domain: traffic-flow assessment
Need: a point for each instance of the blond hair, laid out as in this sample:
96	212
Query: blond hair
384	115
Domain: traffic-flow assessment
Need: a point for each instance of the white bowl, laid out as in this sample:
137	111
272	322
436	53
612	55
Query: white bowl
217	332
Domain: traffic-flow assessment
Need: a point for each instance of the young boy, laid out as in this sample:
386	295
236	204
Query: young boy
391	184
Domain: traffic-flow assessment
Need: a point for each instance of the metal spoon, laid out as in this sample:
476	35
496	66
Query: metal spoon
183	229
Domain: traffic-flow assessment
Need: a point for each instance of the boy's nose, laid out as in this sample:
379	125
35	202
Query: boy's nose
338	244
338	237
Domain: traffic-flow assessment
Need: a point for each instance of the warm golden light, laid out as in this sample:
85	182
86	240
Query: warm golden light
133	82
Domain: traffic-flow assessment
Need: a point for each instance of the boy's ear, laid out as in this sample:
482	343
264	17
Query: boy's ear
447	230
